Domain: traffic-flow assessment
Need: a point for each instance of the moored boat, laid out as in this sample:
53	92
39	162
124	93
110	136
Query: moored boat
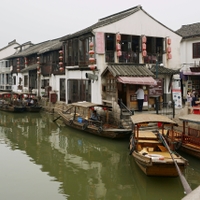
78	116
149	148
188	139
9	102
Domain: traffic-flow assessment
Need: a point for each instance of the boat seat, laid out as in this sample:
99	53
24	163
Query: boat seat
149	141
162	148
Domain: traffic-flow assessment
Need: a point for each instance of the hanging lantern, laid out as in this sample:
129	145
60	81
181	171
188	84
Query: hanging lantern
61	52
91	59
91	52
92	67
60	57
38	58
144	53
118	37
118	47
18	69
38	73
104	108
144	46
38	62
60	63
91	44
168	49
169	56
61	69
119	53
144	39
38	67
168	41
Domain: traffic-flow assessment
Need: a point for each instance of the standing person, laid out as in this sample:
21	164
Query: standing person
140	98
189	98
194	99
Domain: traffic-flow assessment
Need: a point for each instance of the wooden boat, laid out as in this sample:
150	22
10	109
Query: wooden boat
10	103
188	139
78	117
149	147
26	97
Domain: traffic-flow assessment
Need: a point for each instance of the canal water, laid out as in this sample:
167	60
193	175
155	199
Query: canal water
41	159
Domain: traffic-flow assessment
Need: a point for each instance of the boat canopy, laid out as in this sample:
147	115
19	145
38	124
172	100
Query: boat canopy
190	118
145	118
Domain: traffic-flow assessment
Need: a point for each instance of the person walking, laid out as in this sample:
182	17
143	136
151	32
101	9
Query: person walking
140	98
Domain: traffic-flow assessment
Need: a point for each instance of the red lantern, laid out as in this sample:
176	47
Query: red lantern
91	52
169	56
118	37
119	53
91	60
91	44
92	108
143	46
144	39
60	52
60	63
168	41
168	49
61	69
60	57
17	63
104	108
144	53
92	67
118	47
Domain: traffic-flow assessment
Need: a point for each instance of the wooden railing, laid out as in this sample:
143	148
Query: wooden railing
192	136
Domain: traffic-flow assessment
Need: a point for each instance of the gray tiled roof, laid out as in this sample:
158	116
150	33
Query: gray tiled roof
164	70
43	47
104	21
190	30
128	70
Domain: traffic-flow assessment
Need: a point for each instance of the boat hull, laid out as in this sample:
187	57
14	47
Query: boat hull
191	150
33	108
113	133
157	167
17	109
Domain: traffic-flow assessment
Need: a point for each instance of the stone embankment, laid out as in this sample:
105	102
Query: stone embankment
62	106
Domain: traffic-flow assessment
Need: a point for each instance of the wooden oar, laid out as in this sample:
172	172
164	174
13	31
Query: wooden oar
57	118
60	115
184	182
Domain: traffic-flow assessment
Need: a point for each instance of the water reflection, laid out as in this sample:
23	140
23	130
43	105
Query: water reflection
85	166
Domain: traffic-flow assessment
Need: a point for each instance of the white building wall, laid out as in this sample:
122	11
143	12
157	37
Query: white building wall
186	51
7	51
142	24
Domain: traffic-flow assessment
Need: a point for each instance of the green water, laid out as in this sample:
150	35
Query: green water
43	160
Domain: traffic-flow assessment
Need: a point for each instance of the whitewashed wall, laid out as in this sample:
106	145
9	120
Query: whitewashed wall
186	51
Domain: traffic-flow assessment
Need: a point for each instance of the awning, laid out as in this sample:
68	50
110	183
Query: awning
29	68
191	73
137	80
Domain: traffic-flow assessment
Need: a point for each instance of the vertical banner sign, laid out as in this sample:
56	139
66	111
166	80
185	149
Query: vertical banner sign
176	92
176	95
100	43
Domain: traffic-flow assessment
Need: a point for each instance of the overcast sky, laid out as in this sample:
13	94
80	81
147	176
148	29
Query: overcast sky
41	20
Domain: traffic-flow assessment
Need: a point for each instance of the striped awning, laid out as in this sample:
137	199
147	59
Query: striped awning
137	80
